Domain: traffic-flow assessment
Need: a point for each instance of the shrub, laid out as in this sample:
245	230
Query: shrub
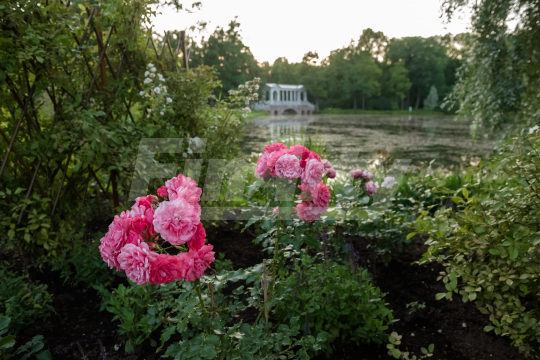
490	242
25	351
22	301
335	299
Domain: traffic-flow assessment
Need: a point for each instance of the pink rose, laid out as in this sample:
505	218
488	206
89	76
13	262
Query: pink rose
261	170
139	224
306	193
176	221
321	195
276	209
288	166
198	239
307	211
274	147
367	175
165	269
136	262
313	155
274	157
330	173
182	186
115	239
163	192
195	262
300	151
371	188
326	164
313	172
355	174
145	201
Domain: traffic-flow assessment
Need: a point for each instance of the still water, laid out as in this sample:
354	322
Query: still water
347	138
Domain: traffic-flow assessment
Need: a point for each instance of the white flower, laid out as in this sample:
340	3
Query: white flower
141	93
256	87
247	110
157	90
153	69
148	116
150	65
146	73
189	151
160	77
388	182
240	86
247	102
147	81
533	129
161	113
169	100
230	92
184	155
149	110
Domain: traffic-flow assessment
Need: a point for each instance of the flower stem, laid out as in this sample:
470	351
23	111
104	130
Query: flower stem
198	289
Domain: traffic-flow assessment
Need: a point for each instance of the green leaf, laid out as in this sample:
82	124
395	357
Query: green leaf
410	235
514	252
494	252
7	342
465	193
44	355
431	347
312	242
396	353
439	296
489	328
4	322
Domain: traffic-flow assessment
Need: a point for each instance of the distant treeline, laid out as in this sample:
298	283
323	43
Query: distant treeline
372	73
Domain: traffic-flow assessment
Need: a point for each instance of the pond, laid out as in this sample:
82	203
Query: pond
350	139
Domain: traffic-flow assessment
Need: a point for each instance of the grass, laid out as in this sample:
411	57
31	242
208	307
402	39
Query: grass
378	112
256	114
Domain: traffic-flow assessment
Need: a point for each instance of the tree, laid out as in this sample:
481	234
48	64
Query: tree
398	83
374	43
432	99
425	58
225	51
352	73
500	76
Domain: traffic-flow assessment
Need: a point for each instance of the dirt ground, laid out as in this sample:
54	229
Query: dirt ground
456	328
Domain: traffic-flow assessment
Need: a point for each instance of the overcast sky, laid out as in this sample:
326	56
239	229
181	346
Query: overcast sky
290	28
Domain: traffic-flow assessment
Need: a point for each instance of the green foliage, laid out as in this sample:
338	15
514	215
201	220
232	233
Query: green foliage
331	298
204	325
425	59
225	51
489	240
223	264
84	140
499	80
21	300
393	350
23	352
432	99
84	264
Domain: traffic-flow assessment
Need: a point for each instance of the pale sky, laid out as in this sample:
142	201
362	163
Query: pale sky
291	28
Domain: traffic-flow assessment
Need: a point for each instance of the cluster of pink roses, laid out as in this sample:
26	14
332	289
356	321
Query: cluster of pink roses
134	235
371	186
299	162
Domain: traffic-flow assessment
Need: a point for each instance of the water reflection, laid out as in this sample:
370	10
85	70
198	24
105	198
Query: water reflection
364	137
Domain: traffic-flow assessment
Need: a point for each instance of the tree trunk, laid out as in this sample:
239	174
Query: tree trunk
354	101
417	100
363	101
116	198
